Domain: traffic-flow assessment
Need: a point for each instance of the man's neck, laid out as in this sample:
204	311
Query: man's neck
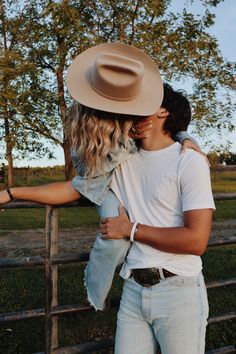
156	140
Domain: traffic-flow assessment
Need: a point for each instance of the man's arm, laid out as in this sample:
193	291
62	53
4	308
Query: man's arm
192	238
51	194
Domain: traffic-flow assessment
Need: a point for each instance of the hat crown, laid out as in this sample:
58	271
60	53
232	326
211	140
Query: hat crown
116	76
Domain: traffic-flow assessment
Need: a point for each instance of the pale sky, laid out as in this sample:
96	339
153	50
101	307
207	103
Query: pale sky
224	30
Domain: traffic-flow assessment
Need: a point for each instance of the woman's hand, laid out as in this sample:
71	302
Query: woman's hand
188	144
4	197
118	227
140	128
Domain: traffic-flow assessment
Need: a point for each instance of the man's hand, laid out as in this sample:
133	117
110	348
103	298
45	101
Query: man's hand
188	144
116	227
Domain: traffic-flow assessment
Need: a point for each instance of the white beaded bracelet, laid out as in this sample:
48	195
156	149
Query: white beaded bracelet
133	231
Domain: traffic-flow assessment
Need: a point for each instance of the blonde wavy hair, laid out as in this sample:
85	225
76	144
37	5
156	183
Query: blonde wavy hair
94	134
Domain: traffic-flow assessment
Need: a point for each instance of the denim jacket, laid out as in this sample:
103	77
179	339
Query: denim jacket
105	255
95	188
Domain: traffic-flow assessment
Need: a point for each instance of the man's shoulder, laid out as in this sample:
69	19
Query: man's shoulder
192	155
193	159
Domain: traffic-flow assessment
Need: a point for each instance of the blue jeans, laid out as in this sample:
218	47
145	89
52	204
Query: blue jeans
173	313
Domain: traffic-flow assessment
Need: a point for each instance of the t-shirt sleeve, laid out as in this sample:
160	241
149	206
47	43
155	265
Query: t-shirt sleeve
195	183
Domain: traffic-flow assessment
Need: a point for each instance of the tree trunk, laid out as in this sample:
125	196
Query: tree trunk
10	168
62	104
68	162
8	138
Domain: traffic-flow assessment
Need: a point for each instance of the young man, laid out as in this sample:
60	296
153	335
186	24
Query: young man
168	198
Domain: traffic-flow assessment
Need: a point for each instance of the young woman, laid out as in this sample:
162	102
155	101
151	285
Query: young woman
116	89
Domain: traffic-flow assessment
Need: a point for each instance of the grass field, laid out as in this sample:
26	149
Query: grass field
23	289
19	219
223	181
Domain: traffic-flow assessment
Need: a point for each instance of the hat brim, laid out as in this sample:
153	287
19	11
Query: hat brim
147	102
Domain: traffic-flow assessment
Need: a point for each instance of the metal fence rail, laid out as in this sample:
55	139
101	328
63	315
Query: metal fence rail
52	310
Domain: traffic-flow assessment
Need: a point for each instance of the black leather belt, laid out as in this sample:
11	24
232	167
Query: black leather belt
148	277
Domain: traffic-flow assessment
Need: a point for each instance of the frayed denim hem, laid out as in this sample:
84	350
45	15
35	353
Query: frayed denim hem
89	296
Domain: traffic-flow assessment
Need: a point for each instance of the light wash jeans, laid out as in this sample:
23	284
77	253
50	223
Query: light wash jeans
173	313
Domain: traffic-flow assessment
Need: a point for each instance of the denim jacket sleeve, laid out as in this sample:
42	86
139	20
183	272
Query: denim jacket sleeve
181	136
96	187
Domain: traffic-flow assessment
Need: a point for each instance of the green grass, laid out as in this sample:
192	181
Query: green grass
39	179
225	209
19	219
37	176
24	289
223	181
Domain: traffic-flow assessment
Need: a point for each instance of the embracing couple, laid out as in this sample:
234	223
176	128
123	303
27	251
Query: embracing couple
154	200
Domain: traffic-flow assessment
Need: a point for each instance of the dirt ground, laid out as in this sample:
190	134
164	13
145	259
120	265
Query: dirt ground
15	243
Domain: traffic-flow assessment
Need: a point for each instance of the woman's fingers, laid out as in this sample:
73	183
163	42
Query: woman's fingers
138	135
140	128
188	144
142	124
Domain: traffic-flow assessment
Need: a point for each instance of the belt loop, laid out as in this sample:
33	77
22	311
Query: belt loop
161	273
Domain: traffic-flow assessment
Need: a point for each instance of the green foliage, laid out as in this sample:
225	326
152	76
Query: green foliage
213	158
228	157
44	36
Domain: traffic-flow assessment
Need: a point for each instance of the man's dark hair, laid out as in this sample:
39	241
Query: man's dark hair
178	106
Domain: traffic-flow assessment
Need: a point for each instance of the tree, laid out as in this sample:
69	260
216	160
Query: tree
214	159
178	42
10	64
183	49
21	91
228	157
53	40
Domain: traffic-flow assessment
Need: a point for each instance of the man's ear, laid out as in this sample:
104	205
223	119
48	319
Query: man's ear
162	113
165	113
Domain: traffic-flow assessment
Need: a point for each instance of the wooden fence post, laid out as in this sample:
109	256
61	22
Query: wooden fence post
28	174
52	237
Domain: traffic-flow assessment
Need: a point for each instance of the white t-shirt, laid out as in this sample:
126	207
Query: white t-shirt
156	187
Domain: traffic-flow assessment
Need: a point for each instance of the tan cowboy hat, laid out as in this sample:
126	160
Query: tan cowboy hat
116	77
